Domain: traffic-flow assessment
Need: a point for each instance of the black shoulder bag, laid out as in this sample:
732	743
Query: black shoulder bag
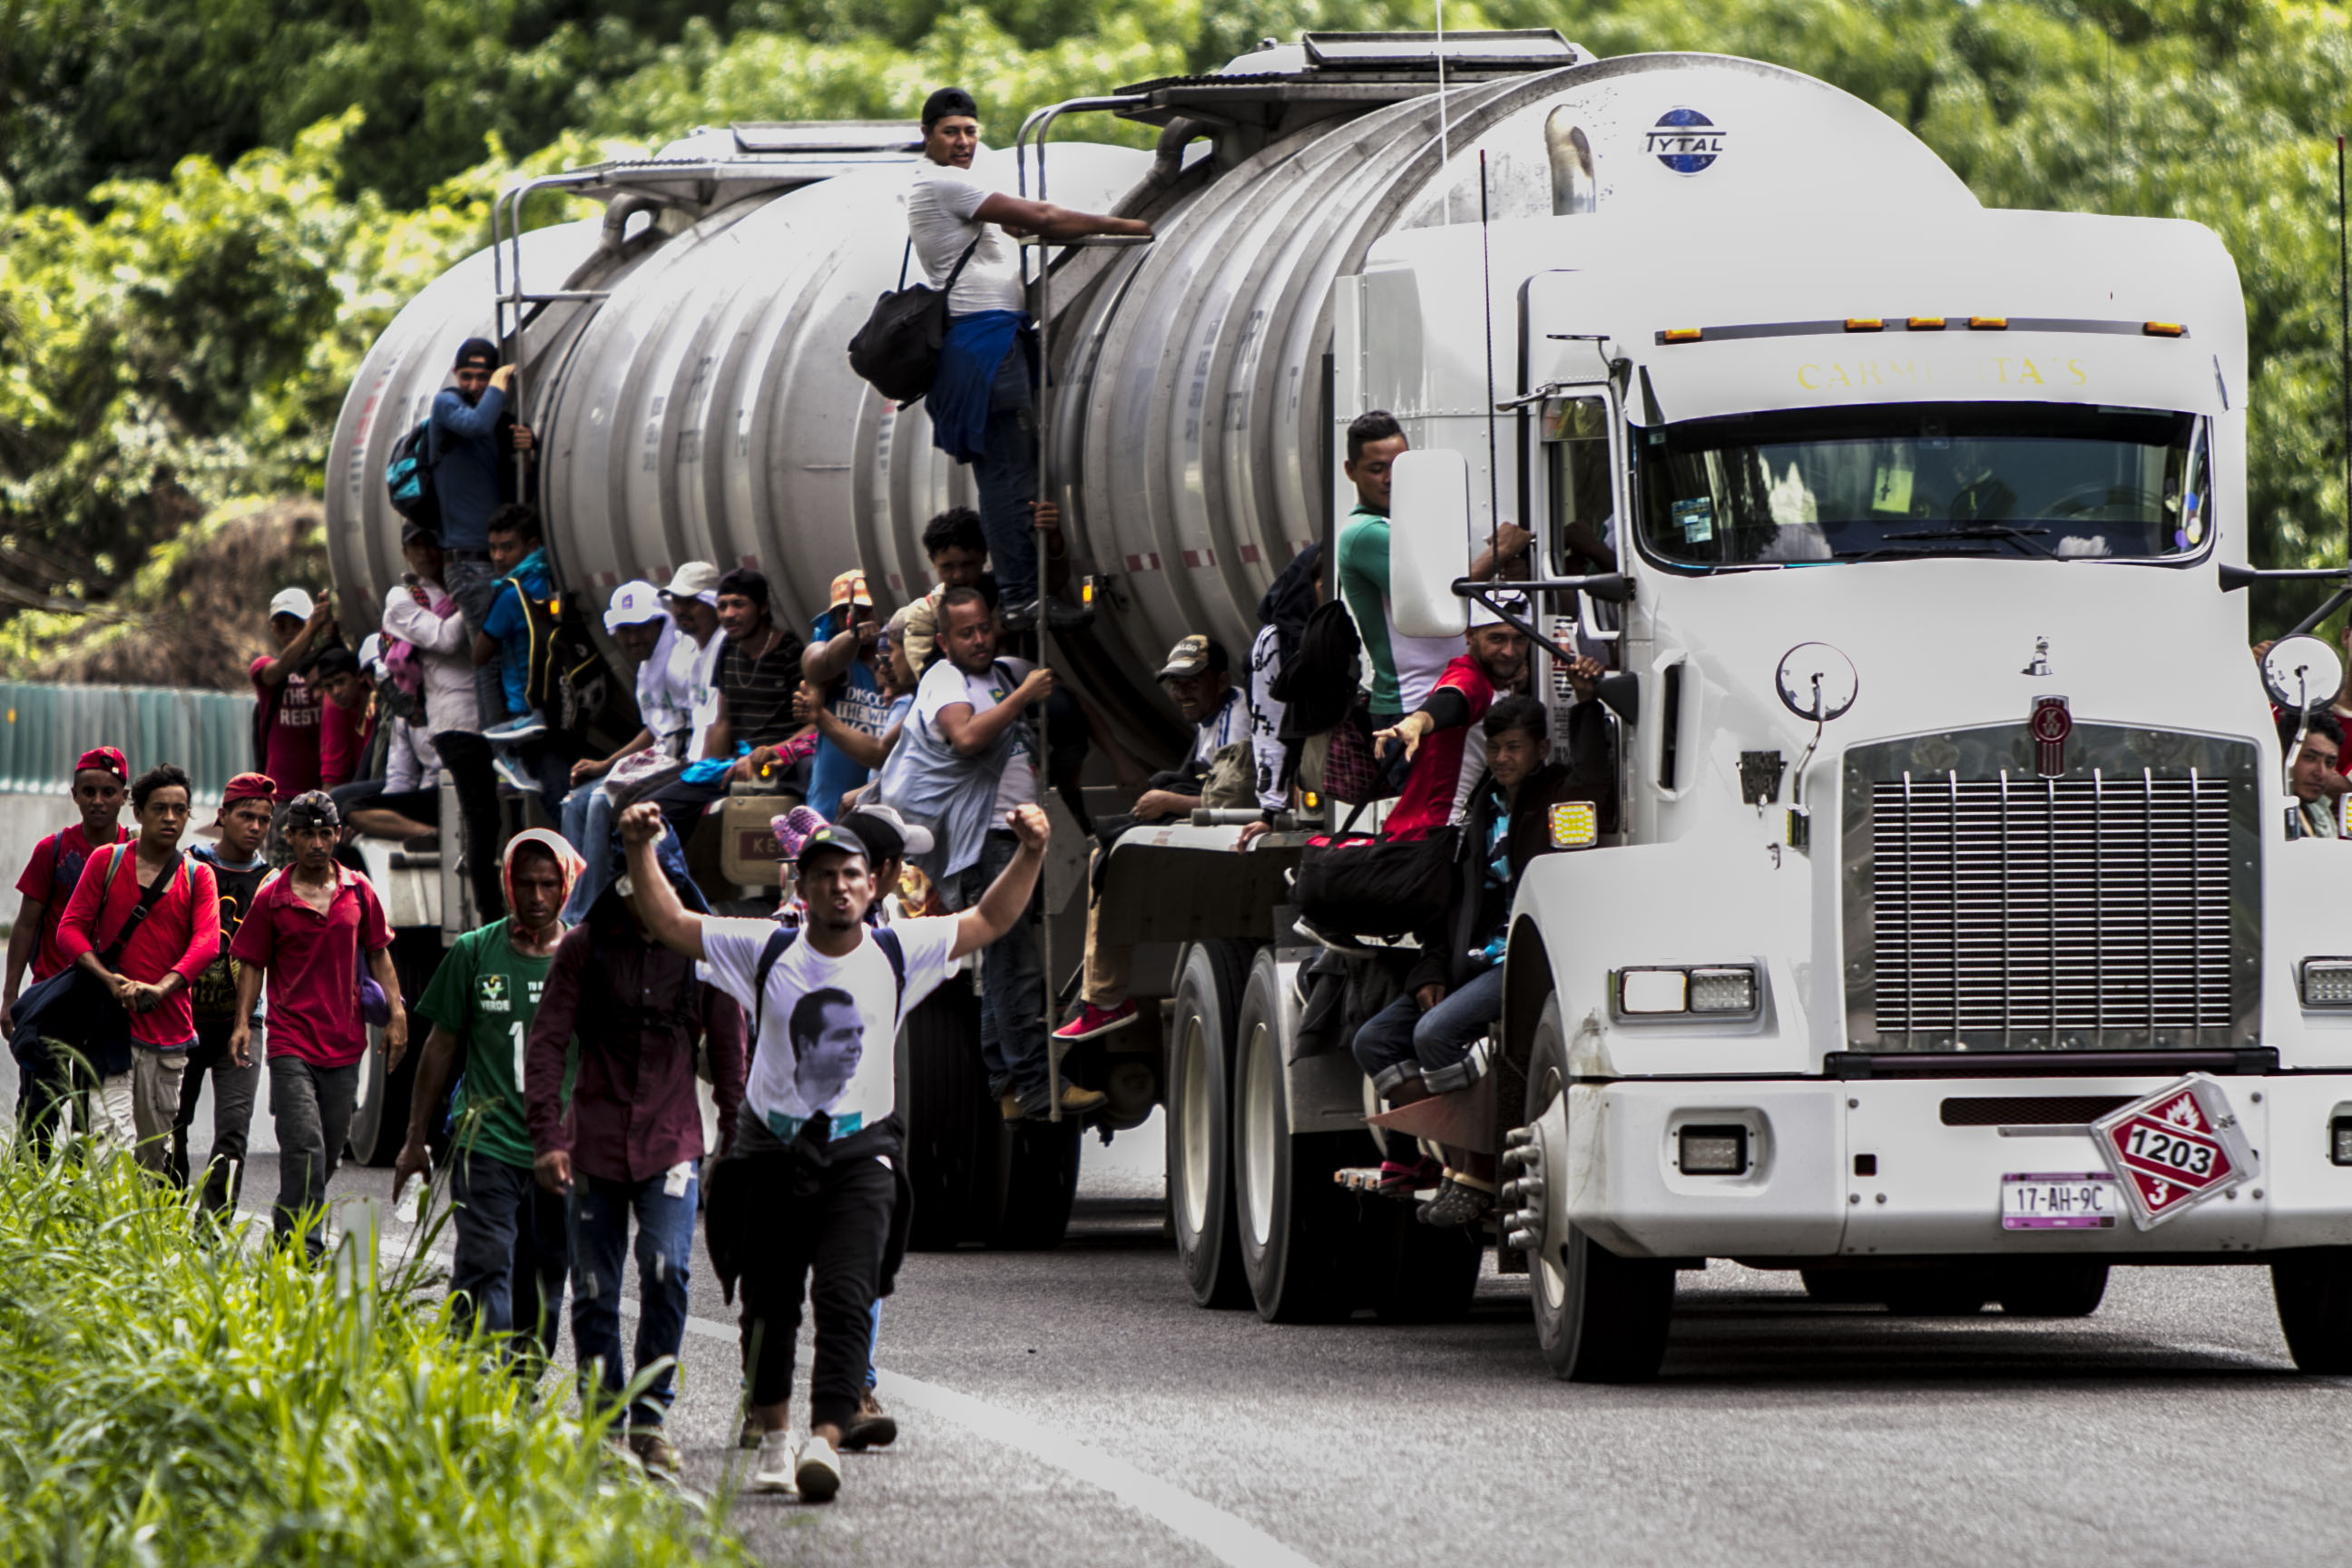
72	1008
897	351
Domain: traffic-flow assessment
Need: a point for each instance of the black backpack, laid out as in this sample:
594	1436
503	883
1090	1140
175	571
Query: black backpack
1318	682
408	477
897	351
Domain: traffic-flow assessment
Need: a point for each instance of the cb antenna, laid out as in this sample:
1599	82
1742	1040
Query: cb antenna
1486	289
1444	153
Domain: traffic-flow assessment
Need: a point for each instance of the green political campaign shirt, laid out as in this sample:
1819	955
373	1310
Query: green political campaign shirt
1363	574
486	994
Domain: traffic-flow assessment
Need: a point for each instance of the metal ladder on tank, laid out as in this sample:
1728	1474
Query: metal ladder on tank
1036	127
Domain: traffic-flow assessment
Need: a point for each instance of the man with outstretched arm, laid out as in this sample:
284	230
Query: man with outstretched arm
817	1162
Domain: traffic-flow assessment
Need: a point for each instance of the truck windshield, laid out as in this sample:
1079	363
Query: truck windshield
2060	480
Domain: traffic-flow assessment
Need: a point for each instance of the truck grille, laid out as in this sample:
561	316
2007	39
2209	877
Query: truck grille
2060	910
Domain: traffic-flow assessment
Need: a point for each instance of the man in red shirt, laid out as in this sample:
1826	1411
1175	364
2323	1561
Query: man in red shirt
286	732
303	937
1436	735
173	941
101	780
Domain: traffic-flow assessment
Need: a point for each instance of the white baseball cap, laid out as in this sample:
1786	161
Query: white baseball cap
695	580
371	650
633	605
291	602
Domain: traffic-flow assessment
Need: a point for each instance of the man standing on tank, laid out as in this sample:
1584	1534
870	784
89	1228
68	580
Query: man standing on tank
981	404
471	445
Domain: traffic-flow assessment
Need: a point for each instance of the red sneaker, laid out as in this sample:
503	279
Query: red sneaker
1092	1021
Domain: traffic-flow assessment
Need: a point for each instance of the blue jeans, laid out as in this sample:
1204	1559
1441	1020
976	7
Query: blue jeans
511	1249
1006	474
1012	1001
588	827
600	1242
1401	1041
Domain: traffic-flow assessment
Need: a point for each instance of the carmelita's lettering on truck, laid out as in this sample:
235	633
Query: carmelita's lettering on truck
2006	370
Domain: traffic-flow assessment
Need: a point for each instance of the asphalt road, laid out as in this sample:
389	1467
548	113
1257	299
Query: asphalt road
1076	1407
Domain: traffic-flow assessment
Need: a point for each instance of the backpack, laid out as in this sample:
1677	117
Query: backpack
782	938
1319	683
897	351
408	477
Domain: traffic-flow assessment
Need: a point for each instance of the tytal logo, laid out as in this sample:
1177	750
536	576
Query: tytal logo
1686	141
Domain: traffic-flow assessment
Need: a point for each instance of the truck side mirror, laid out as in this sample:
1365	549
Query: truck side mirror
1429	542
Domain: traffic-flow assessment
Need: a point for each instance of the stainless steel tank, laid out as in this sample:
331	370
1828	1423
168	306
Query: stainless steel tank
704	406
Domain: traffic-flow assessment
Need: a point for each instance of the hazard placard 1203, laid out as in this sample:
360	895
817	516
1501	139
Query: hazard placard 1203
2175	1149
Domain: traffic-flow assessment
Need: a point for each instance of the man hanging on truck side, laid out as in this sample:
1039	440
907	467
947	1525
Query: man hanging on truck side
471	445
982	402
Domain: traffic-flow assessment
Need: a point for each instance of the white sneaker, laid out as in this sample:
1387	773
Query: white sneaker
510	774
818	1475
772	1473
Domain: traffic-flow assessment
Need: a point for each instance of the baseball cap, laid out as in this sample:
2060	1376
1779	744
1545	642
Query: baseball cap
1483	615
834	838
694	580
1191	657
882	824
291	602
634	603
411	531
849	588
371	650
477	354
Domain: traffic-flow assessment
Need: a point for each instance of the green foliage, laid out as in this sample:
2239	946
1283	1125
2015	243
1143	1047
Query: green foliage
179	319
165	1398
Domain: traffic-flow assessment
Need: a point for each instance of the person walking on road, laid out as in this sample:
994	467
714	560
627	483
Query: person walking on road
961	228
507	1276
239	868
302	940
630	1142
159	918
810	1199
101	784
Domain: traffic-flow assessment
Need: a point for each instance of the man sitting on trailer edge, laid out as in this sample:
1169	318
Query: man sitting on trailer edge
1429	1040
982	401
2320	753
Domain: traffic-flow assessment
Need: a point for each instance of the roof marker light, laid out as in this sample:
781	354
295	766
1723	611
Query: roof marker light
1866	323
1926	323
1680	335
1987	323
2164	330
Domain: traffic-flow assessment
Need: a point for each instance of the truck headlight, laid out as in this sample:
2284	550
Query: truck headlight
2326	982
1713	1150
1712	991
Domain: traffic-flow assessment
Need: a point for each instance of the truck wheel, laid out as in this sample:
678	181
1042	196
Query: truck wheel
1035	1180
1297	1224
2052	1288
2315	1307
1599	1318
1200	1122
951	1126
379	1109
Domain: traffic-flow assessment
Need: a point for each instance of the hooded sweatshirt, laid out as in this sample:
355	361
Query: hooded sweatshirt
509	622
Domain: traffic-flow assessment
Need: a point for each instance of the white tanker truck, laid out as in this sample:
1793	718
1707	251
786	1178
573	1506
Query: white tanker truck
1948	945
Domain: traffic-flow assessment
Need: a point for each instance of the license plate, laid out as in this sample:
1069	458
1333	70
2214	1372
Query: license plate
2080	1200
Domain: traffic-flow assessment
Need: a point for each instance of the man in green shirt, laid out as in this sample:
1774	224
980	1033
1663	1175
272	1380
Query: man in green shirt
1404	668
510	1236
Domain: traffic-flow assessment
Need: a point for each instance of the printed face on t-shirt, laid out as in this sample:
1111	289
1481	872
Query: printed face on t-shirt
828	1042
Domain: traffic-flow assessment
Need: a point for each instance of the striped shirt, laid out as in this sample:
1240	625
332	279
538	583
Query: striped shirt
758	692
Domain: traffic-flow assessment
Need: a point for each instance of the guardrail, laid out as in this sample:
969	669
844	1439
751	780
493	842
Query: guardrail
44	728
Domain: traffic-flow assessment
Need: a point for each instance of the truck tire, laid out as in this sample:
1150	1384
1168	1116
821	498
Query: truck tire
2050	1288
1199	1122
380	1110
1035	1179
951	1126
1599	1318
2314	1288
1299	1227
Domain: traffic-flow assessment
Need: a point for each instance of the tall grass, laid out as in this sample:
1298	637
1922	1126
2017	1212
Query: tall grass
169	1398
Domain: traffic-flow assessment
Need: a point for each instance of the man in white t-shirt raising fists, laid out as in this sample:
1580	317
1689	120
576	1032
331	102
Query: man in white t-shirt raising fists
818	1151
962	230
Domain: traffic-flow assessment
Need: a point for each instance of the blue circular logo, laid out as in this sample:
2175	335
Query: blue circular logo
1686	141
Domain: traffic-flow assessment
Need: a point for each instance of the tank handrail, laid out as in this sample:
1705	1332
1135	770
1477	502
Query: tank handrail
1042	120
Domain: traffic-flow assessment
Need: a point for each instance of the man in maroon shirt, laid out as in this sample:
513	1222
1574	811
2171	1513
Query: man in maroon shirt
101	780
631	1138
286	732
303	937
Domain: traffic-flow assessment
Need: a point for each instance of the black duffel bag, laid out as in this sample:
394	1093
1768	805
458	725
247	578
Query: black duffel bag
897	351
1356	885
